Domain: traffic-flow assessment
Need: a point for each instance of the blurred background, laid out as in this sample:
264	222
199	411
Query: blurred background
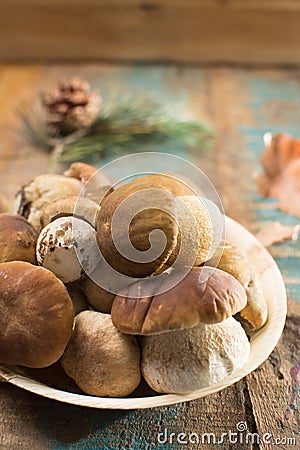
193	31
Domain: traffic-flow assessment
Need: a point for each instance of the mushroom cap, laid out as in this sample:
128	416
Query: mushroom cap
137	219
17	239
235	262
97	297
57	244
78	298
183	361
101	360
205	295
36	315
96	185
80	207
166	181
42	190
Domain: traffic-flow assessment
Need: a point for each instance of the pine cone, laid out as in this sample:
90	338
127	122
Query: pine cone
71	106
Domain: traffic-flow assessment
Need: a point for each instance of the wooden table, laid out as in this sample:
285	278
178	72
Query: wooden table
242	105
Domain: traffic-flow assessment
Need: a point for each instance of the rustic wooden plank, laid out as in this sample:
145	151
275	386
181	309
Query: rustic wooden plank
146	31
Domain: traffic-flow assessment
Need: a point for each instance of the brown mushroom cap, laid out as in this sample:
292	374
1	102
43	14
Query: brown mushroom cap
97	297
77	296
36	315
205	295
97	185
232	260
101	360
139	228
166	181
80	207
17	239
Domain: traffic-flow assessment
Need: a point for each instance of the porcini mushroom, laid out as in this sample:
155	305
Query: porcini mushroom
101	360
17	239
127	218
42	190
78	298
97	297
205	295
36	315
67	246
142	219
234	261
96	185
183	361
82	208
169	182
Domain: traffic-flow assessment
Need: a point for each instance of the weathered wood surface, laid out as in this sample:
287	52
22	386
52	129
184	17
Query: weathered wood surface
242	105
236	31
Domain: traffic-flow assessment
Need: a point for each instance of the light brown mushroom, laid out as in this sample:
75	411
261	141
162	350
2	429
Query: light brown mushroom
130	220
183	361
78	298
166	181
133	229
80	207
205	295
234	261
17	239
101	360
42	190
97	185
36	315
97	297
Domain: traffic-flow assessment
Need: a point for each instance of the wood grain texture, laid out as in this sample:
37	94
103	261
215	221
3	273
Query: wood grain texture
135	30
242	105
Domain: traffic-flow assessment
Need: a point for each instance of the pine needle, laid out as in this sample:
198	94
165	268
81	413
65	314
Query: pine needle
123	125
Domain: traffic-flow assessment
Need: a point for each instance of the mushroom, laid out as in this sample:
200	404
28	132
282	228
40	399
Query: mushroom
128	218
143	229
96	185
97	297
101	360
42	190
67	246
82	208
183	361
17	239
78	298
36	315
205	295
234	261
200	226
166	181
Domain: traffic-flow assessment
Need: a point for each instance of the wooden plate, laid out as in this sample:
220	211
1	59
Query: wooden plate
262	344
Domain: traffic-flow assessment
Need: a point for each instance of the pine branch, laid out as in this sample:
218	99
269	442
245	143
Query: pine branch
122	125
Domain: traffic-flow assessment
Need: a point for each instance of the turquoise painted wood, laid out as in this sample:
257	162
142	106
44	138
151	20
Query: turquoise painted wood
275	106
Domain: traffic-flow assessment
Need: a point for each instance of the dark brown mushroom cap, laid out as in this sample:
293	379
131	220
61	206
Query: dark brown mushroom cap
17	239
205	295
36	315
149	218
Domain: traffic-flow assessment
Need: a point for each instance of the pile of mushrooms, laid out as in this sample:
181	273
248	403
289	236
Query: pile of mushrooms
179	340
